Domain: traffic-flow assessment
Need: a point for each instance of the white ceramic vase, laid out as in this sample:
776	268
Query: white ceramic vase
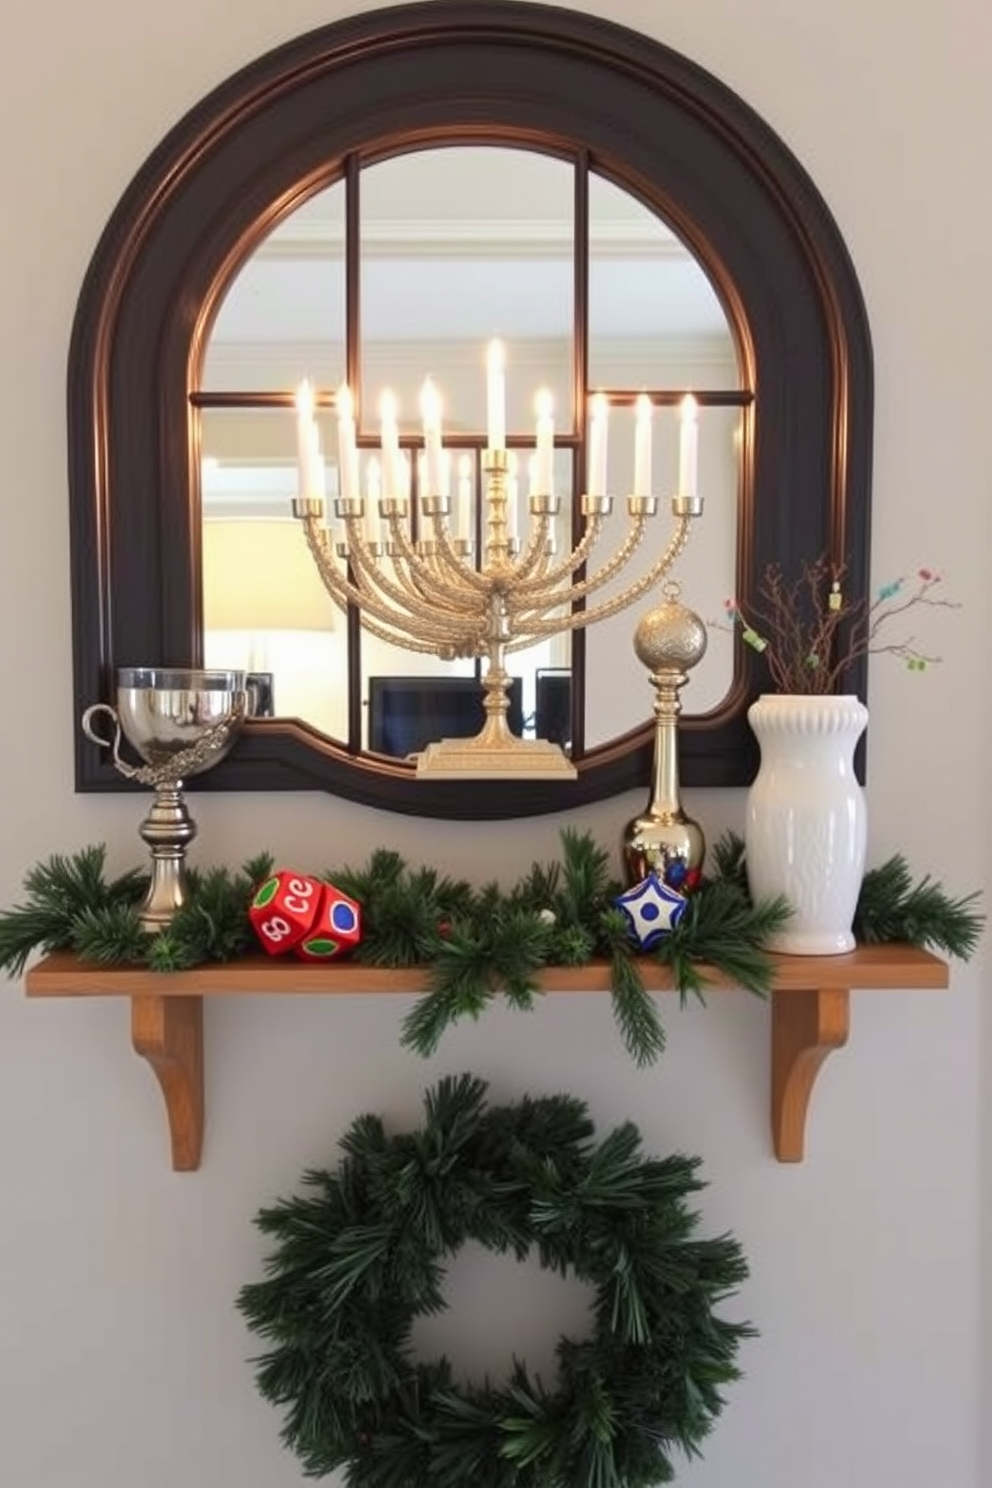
806	824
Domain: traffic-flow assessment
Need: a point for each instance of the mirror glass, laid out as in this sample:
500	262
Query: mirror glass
459	245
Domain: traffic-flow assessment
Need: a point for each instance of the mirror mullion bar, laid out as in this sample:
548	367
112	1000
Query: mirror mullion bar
580	392
353	375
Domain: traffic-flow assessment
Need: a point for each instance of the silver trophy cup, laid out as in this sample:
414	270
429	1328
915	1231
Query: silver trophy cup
181	721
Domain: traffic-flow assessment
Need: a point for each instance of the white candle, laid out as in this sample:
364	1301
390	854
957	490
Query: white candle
538	488
688	447
389	441
544	472
347	449
496	397
596	468
464	525
315	465
304	422
430	411
328	475
642	446
373	490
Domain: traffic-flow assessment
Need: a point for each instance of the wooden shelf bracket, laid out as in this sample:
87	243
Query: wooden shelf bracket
807	1025
168	1032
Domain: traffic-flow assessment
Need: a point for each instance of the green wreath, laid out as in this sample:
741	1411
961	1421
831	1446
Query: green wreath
360	1257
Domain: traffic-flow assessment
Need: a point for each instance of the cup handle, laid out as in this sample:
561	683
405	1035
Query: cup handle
113	744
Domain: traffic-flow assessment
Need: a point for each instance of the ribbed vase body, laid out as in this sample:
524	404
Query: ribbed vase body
806	824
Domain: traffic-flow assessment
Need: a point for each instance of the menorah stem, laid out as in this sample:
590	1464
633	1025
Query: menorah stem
495	465
495	731
495	751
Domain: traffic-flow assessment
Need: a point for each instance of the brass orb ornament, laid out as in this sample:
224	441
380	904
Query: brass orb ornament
669	641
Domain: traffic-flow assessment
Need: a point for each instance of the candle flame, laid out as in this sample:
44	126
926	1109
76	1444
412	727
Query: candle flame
388	407
496	357
544	403
644	409
430	402
689	409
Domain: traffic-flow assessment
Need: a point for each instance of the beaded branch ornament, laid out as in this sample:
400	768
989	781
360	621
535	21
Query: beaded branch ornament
809	632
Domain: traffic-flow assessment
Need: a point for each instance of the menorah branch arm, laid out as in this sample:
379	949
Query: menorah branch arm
427	576
535	598
450	564
394	622
439	613
337	584
535	554
560	572
578	620
426	586
425	646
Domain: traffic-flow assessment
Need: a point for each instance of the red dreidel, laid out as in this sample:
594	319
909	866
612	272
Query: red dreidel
284	910
337	929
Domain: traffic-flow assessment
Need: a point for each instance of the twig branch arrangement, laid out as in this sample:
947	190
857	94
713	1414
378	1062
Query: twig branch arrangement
809	632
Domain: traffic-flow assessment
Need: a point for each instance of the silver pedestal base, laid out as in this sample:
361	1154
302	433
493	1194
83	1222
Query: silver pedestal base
168	829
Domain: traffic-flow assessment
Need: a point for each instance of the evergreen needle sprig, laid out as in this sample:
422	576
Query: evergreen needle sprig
724	929
65	897
891	907
561	914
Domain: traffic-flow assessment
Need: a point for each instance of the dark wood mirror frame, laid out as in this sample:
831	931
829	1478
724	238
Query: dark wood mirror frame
379	84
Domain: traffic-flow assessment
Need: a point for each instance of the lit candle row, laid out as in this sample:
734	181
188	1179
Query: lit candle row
434	470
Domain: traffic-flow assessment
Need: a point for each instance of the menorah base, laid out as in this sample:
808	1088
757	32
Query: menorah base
477	759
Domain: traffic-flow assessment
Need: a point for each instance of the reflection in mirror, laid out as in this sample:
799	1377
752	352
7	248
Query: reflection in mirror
619	696
656	322
458	245
283	315
264	607
655	319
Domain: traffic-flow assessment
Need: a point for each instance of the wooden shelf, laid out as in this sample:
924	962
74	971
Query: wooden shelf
810	1015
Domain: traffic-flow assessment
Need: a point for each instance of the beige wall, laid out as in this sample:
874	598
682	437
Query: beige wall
121	1356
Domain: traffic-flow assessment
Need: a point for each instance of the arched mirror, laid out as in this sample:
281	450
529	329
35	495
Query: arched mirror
369	207
455	244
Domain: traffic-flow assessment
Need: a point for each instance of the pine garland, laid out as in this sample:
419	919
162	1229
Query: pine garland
66	895
360	1255
892	908
477	944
